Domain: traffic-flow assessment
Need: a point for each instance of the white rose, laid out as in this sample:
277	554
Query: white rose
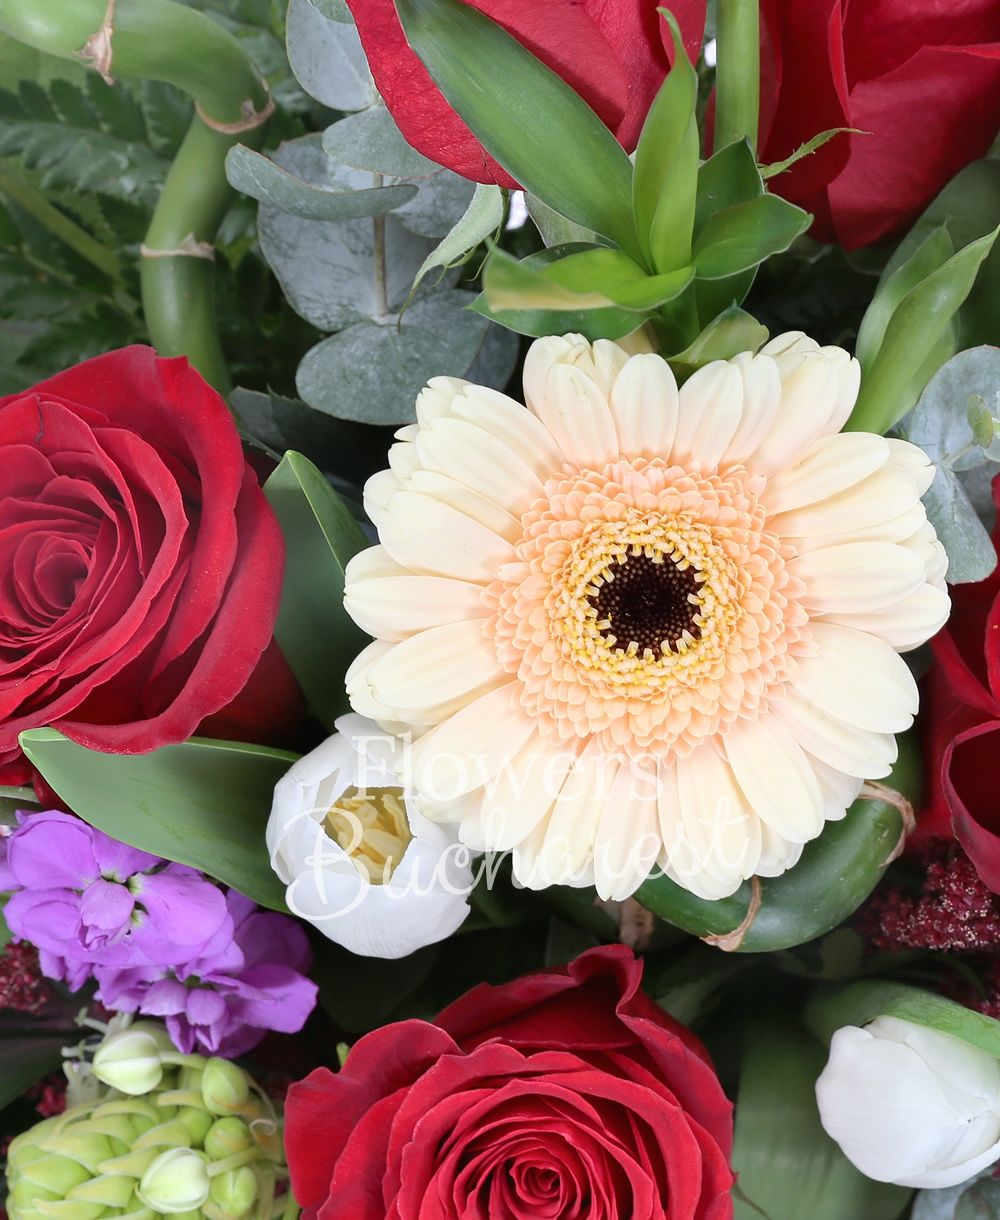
909	1104
359	860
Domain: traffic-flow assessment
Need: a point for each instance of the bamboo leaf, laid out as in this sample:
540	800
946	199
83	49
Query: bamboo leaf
742	236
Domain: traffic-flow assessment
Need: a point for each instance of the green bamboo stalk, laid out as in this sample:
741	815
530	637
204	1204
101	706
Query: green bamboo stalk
737	73
165	41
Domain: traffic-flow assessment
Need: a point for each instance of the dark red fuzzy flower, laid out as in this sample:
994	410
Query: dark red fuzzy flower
565	1093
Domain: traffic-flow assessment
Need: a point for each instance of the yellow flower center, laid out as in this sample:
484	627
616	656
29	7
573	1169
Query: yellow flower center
372	828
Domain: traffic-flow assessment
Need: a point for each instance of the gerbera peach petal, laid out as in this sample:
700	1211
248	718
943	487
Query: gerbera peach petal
393	607
774	775
840	790
511	423
761	402
477	507
722	830
838	743
517	799
644	404
378	491
543	355
829	466
777	854
479	460
790	343
906	624
628	834
431	537
577	415
848	373
469	749
808	397
711	405
857	576
872	503
912	458
847	662
435	666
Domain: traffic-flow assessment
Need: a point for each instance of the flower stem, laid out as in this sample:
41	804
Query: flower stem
737	73
165	41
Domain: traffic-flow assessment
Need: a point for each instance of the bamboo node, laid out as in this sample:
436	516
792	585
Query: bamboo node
252	117
190	247
873	791
96	52
729	942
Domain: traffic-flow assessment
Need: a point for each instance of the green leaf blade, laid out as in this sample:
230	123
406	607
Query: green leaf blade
742	236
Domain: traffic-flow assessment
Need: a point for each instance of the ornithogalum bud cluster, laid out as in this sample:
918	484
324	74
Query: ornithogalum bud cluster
165	1134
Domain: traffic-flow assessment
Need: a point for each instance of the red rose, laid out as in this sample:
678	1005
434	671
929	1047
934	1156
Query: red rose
961	721
566	1093
922	76
140	565
611	54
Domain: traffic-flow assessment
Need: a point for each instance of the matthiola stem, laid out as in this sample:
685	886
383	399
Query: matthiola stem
737	73
165	41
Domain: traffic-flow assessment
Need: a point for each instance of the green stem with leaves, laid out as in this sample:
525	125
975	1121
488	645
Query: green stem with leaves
737	72
165	41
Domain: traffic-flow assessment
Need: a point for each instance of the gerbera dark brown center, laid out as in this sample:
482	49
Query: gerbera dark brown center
647	602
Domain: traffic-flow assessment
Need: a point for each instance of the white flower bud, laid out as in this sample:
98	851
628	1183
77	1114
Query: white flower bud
177	1181
909	1104
129	1060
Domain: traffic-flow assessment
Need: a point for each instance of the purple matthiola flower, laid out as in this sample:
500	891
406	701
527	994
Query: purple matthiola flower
84	899
224	1000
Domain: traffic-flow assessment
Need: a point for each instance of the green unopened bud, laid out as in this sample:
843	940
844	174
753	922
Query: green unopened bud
227	1136
129	1060
234	1192
197	1122
224	1087
177	1181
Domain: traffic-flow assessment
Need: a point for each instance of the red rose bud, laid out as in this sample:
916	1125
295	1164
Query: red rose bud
920	78
563	1093
611	54
141	563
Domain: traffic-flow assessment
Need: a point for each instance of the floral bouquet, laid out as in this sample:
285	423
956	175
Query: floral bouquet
499	609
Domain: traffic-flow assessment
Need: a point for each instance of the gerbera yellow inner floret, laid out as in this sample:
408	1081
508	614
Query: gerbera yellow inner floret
630	625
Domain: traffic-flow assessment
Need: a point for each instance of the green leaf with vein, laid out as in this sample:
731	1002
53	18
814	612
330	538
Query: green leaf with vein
538	128
481	220
203	803
742	236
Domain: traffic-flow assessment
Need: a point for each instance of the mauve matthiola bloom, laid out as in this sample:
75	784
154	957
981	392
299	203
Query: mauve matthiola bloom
245	982
84	899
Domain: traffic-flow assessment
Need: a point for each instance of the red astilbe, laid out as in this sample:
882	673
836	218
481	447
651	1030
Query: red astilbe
22	988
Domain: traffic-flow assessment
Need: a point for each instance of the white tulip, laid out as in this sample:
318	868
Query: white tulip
909	1104
359	860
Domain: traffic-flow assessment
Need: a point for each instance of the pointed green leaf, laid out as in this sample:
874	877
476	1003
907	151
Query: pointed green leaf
917	324
539	129
483	218
933	252
509	283
613	274
315	633
728	177
788	1167
666	166
744	235
203	803
260	178
733	331
835	874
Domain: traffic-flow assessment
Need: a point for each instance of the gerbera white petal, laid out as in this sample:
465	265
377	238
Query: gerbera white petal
393	607
358	861
849	661
644	404
906	624
436	398
479	460
857	576
714	579
840	744
429	536
711	405
761	402
469	749
576	413
435	666
378	491
912	458
829	466
446	490
628	834
774	775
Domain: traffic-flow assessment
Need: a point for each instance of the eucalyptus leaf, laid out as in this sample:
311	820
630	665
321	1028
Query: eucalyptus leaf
371	140
741	236
334	10
788	1167
260	178
970	550
203	803
373	372
325	54
481	219
439	204
980	1202
939	423
535	125
328	271
315	632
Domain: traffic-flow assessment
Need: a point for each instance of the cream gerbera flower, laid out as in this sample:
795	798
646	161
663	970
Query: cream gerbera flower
635	626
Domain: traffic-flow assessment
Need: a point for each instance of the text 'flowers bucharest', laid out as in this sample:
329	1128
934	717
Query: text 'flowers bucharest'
627	627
